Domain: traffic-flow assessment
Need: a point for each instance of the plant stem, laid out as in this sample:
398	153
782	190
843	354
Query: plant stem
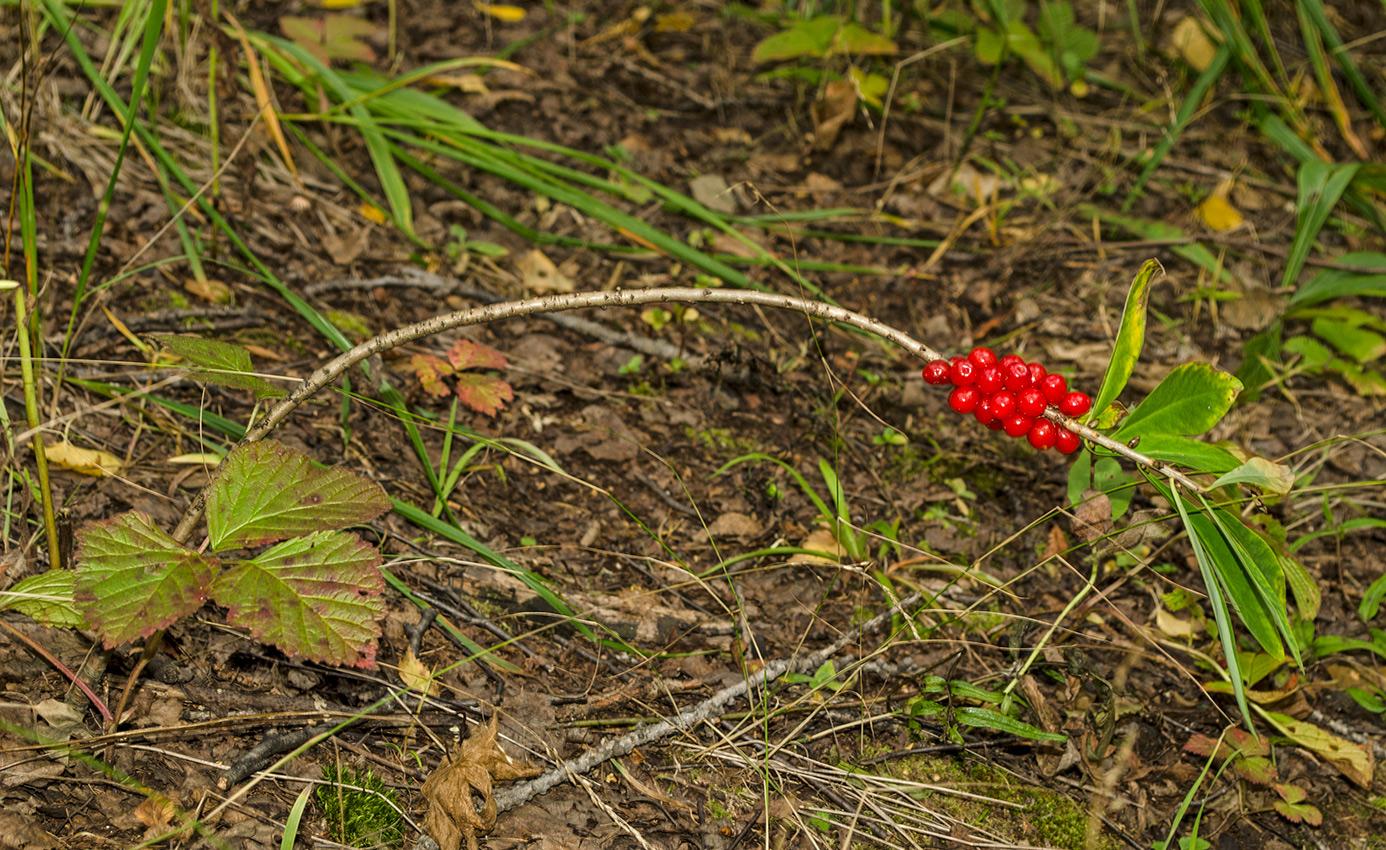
334	368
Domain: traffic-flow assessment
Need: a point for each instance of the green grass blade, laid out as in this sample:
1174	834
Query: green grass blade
295	817
1217	603
1321	185
799	479
479	653
1315	12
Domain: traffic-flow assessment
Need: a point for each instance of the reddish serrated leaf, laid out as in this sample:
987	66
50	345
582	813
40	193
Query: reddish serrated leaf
1290	793
317	596
483	393
268	492
473	355
1204	746
1257	769
1296	812
1247	743
134	579
431	370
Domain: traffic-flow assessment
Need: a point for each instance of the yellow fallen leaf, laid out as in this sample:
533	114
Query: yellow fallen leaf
1218	213
372	212
1171	625
414	674
501	11
93	462
539	274
196	459
674	22
208	290
1191	41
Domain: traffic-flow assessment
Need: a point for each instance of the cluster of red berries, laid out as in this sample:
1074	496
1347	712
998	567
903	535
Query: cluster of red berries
1011	395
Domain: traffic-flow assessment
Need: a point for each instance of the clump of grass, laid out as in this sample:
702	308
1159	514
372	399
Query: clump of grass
361	811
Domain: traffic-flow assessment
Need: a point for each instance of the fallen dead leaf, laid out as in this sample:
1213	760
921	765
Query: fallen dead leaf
469	773
713	192
733	524
18	832
1190	40
208	290
93	462
415	674
1092	518
539	274
832	113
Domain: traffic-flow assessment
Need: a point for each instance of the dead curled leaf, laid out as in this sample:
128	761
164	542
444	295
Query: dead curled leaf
468	774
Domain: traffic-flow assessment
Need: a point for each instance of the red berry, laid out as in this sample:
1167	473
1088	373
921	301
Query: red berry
1043	434
1067	441
1075	404
1030	402
1003	404
964	399
1037	373
1019	426
936	372
984	412
982	356
962	373
996	425
989	380
1054	388
1010	360
1017	376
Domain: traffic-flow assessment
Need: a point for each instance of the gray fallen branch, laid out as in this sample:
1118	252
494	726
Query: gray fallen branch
711	708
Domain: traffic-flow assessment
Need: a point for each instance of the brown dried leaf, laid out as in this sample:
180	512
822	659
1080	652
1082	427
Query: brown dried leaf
539	274
466	774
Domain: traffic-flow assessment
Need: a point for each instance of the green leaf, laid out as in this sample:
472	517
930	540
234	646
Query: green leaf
856	40
1314	355
1366	382
1228	571
331	37
267	492
1371	600
1360	344
1272	477
1216	601
1321	184
1259	355
1190	400
47	597
134	579
317	596
1130	338
222	363
1339	283
1107	476
989	718
809	39
1308	598
1184	451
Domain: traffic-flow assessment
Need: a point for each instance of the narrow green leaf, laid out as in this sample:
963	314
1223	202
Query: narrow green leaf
267	492
1215	601
1320	186
1190	400
1233	579
46	597
1314	9
1308	598
1328	284
134	579
989	718
1130	338
317	596
1371	600
1262	566
295	816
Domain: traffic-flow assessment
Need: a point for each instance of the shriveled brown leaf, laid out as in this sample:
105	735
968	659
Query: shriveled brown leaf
468	773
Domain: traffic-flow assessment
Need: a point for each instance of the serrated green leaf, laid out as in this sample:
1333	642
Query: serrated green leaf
46	597
267	492
317	596
1130	338
222	363
1328	284
134	579
1190	400
1274	478
1187	452
483	393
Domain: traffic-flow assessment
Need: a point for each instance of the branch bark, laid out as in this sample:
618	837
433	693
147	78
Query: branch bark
334	368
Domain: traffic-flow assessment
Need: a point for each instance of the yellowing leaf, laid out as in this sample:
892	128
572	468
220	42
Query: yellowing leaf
414	674
93	462
1356	762
1172	625
196	459
1191	41
674	22
1218	214
539	274
372	213
501	11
